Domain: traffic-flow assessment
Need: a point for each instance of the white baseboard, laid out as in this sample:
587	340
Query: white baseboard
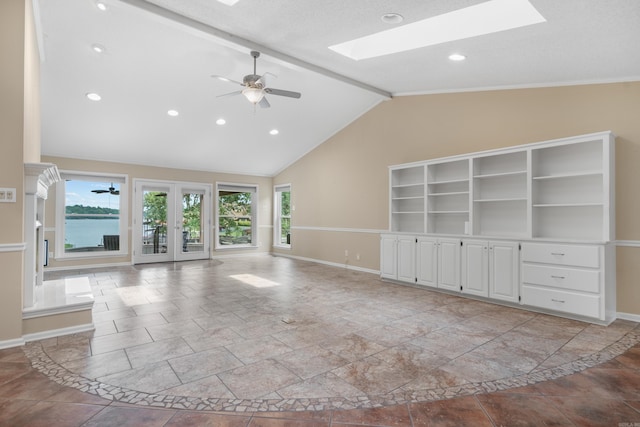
629	316
242	254
332	264
58	332
88	266
11	343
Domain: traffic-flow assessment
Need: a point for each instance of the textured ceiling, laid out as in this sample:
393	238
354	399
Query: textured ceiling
160	55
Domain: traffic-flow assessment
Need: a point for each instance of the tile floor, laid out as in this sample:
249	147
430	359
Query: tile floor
265	341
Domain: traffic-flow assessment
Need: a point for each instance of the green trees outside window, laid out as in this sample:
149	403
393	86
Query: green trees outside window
235	217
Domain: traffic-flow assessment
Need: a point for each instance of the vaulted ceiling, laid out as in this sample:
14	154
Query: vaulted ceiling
159	55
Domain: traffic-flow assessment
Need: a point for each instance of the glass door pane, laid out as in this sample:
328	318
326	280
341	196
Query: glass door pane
154	235
193	225
154	222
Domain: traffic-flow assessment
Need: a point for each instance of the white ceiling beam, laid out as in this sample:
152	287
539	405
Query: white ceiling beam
248	44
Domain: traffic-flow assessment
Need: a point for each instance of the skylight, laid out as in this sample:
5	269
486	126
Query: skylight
484	18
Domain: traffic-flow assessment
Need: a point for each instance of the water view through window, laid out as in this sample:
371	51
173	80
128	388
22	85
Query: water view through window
92	216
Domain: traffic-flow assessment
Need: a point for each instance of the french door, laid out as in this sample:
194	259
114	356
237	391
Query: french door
172	221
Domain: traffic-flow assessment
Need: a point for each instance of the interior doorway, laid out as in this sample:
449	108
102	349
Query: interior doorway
172	221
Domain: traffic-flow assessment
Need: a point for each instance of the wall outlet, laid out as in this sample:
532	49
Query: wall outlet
357	257
346	252
7	195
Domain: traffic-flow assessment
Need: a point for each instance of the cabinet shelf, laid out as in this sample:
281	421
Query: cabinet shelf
407	212
418	184
506	199
569	175
448	181
566	205
449	212
502	174
408	198
454	193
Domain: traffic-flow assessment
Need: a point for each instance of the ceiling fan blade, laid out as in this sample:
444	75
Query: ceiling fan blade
237	92
281	92
264	103
99	191
266	78
226	79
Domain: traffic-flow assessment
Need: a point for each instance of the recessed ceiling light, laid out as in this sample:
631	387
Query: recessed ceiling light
220	122
93	96
100	5
274	131
485	18
392	18
228	2
457	57
98	48
173	113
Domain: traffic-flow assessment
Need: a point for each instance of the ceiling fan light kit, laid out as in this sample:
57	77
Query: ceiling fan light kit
255	86
253	94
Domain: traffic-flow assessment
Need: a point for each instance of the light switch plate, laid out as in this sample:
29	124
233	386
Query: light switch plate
7	195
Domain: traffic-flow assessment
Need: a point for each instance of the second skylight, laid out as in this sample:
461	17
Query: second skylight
484	18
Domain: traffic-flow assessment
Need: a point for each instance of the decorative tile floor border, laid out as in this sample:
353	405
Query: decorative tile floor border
44	364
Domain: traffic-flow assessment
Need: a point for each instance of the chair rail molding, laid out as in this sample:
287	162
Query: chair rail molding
13	247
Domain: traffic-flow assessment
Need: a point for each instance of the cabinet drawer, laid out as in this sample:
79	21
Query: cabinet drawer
574	255
563	278
568	302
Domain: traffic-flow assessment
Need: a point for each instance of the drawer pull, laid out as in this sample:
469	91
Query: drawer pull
557	277
557	253
557	300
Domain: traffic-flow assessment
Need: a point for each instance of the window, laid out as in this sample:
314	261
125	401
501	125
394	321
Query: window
237	215
90	215
282	216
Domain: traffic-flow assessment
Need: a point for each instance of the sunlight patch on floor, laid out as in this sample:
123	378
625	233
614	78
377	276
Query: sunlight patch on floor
255	281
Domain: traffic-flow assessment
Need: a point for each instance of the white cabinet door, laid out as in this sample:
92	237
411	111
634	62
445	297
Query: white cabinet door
449	264
475	267
427	261
406	258
388	257
503	271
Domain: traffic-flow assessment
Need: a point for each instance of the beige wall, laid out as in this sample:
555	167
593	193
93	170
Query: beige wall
265	214
31	90
344	182
12	53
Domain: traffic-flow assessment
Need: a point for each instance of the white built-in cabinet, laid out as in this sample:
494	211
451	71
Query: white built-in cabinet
427	261
421	260
459	224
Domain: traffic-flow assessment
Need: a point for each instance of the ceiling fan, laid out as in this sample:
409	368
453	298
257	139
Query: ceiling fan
255	86
111	190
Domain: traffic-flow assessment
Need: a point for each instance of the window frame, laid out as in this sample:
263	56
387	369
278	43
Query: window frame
277	214
245	188
61	203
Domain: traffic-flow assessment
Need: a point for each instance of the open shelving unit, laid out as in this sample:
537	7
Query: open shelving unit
407	199
448	197
500	195
552	189
569	192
